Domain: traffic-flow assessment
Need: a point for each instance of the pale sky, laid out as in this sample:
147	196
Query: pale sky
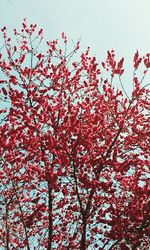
101	24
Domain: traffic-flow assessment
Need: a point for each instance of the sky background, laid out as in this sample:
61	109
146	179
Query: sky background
101	24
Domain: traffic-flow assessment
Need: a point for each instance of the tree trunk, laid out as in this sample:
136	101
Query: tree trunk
50	228
83	238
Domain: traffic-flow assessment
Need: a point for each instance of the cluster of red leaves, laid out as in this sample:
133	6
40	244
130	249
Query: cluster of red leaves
111	64
73	149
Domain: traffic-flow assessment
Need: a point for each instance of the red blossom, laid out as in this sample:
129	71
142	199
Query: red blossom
147	61
137	60
40	32
22	59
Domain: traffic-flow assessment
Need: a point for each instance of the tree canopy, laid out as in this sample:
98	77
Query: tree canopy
74	148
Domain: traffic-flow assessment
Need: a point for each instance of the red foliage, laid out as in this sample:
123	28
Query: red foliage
74	149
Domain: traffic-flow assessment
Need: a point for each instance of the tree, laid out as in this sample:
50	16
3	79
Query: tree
74	149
